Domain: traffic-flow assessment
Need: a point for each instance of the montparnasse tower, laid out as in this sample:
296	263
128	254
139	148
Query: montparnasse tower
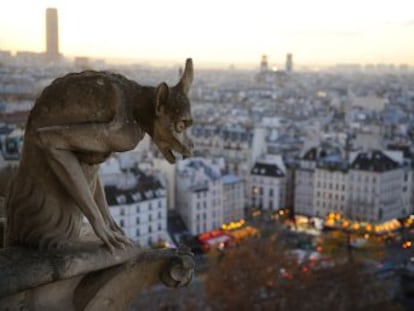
52	35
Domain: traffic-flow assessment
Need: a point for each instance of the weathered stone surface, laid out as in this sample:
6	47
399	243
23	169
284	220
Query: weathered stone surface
86	279
25	268
75	124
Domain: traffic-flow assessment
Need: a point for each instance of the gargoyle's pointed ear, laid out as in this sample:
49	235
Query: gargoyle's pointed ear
161	97
187	77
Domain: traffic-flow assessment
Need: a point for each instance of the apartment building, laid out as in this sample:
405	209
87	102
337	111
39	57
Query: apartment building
199	194
268	184
233	198
370	186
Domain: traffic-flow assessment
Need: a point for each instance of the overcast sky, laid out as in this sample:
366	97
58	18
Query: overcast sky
316	32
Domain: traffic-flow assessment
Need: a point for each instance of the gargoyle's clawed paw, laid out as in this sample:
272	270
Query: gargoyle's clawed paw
112	239
114	226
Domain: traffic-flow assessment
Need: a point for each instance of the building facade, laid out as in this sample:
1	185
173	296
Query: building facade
375	187
137	201
268	184
233	198
199	194
304	183
370	186
140	211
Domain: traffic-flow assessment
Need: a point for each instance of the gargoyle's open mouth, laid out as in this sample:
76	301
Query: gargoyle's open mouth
171	155
174	146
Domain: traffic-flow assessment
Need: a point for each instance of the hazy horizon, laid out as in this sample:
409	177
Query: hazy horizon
220	33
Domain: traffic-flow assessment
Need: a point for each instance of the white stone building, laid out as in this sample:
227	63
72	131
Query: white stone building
233	198
304	183
375	187
371	186
231	141
141	212
137	202
268	184
199	194
330	185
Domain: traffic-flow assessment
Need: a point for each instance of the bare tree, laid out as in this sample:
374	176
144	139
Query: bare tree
261	276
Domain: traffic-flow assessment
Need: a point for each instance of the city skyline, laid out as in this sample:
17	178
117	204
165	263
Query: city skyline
318	33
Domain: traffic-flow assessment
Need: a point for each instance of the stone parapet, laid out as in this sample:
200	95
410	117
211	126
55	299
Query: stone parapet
87	278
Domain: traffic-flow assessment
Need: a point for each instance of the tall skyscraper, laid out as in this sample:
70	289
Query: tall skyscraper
289	63
52	35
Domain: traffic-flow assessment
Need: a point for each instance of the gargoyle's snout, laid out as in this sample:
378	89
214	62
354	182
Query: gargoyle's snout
186	144
177	145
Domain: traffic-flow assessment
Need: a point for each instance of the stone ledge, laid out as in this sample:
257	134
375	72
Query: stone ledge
88	278
23	268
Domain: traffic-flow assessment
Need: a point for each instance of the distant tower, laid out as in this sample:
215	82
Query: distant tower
52	35
289	63
263	64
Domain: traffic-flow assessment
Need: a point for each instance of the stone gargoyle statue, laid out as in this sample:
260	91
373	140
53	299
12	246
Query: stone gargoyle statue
75	124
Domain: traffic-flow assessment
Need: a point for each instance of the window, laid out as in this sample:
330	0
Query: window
137	220
137	232
122	211
271	192
149	229
159	215
255	190
159	227
121	223
159	204
150	206
149	217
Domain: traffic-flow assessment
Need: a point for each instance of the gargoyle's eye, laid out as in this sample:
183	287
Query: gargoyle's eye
180	126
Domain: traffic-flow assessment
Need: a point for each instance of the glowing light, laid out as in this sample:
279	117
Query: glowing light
355	226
